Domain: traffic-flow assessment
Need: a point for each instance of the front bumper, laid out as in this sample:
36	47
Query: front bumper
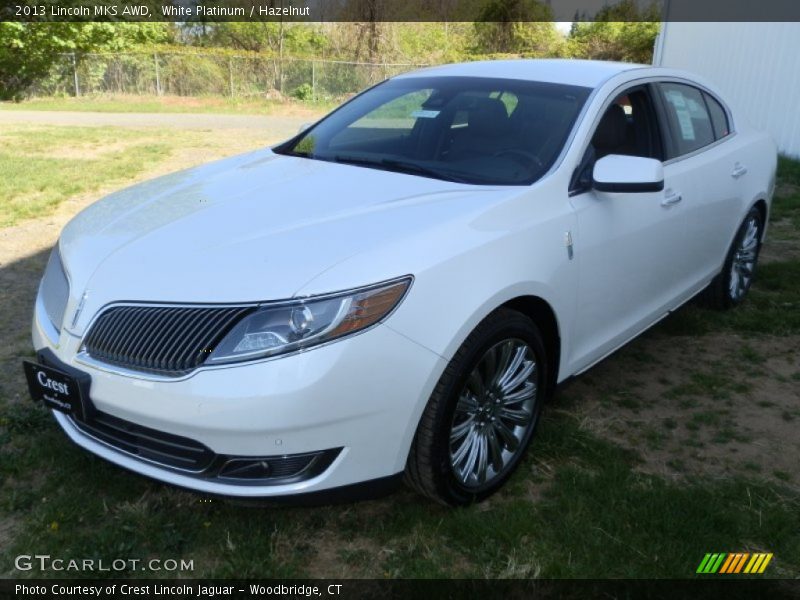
362	396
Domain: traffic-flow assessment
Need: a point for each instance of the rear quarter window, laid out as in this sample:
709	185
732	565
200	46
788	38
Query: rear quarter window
719	119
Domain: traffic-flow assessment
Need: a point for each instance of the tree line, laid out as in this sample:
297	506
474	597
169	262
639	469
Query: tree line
521	28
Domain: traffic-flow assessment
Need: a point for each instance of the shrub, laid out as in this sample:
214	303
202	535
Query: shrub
303	92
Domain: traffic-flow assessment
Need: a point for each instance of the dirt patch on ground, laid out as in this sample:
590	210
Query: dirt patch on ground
356	557
718	404
89	151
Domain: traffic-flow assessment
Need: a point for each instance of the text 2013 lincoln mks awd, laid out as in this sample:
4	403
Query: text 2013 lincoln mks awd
396	291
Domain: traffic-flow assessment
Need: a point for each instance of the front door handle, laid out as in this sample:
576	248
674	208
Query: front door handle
671	197
738	170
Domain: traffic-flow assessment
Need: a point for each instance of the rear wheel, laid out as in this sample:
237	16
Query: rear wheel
730	286
483	412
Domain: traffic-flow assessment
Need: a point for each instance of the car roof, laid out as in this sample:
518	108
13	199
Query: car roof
587	73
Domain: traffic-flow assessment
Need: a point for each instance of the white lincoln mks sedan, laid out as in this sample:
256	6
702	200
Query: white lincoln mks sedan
395	292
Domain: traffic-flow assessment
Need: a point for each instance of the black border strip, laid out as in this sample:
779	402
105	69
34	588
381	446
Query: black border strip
411	589
207	11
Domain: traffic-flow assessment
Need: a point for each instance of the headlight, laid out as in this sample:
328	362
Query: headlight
285	327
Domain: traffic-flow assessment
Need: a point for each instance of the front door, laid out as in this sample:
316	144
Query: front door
629	246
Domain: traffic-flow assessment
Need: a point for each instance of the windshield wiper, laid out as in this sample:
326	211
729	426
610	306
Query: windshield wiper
400	166
417	169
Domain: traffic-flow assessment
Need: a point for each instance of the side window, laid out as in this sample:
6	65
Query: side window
628	126
689	121
719	119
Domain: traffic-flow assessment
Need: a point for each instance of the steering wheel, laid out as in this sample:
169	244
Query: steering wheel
523	157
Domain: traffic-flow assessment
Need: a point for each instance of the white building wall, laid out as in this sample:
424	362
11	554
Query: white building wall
756	66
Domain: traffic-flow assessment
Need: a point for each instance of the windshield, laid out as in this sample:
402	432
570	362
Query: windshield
466	129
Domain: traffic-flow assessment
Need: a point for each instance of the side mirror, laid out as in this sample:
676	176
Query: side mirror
303	127
625	174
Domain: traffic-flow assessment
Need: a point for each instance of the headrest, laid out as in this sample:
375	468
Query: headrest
612	130
487	117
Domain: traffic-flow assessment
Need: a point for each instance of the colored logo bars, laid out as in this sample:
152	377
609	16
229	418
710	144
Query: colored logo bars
734	562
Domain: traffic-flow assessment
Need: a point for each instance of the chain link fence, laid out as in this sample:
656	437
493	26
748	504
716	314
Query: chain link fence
203	74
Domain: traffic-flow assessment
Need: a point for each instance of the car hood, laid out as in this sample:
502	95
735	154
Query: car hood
250	228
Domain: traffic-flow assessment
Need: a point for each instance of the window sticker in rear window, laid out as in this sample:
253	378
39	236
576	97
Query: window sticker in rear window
682	113
676	98
686	125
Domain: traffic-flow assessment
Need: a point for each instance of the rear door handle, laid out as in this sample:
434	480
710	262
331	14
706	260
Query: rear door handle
738	170
671	197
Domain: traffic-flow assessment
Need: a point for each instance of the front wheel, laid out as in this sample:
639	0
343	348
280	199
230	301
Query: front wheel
730	286
483	412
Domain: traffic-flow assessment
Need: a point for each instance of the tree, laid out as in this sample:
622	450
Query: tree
620	32
517	26
371	28
29	50
267	36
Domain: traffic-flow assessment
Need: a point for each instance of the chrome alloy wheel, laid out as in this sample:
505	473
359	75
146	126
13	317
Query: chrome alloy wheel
494	413
744	260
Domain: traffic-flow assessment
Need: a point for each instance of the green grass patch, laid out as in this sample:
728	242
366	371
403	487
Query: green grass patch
786	205
787	208
772	307
751	355
42	167
716	386
789	170
169	104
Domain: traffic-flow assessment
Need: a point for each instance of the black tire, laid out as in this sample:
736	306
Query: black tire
719	294
430	468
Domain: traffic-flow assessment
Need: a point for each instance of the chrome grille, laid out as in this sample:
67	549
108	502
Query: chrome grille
54	289
167	340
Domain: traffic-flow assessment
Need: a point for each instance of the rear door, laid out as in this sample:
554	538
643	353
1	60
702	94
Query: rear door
704	169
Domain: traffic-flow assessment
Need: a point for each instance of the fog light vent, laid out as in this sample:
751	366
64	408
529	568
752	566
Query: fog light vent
275	469
244	468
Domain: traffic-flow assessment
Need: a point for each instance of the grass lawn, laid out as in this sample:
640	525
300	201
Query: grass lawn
42	166
39	168
171	104
683	443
